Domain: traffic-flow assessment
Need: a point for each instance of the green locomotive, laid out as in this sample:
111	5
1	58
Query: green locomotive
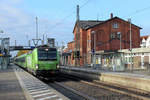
42	61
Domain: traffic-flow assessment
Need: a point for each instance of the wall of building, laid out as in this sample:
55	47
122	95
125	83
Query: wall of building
104	32
89	49
140	60
82	44
104	40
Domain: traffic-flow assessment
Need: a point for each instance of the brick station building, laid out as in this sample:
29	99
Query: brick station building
106	36
67	56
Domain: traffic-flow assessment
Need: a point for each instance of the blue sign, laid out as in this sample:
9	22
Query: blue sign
93	51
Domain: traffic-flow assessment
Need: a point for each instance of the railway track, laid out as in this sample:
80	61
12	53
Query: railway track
69	92
134	93
138	92
94	90
77	88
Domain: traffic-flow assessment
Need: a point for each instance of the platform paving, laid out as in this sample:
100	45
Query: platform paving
17	84
145	75
37	89
10	88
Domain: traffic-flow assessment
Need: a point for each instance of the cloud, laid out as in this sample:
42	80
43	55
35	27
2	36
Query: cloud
19	25
60	31
12	18
15	22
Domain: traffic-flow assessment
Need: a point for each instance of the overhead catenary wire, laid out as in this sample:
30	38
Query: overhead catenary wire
69	15
84	4
137	11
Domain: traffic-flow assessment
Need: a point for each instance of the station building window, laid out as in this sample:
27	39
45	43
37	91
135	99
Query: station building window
115	25
112	35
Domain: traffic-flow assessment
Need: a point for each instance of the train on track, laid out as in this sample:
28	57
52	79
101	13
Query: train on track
41	61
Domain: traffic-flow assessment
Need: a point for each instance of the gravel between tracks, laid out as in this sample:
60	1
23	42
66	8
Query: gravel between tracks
93	91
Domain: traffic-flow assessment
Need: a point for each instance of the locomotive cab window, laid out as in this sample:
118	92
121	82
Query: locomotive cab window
47	54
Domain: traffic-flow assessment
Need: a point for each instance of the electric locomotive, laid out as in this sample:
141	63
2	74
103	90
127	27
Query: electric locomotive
41	61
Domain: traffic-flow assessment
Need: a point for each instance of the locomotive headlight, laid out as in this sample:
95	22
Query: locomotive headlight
57	66
46	49
36	66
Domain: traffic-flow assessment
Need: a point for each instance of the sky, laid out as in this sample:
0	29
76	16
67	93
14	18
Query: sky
56	18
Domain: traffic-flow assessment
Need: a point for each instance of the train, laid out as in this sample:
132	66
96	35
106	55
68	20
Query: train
41	61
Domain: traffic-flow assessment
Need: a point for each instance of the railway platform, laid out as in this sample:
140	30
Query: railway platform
17	84
10	88
125	79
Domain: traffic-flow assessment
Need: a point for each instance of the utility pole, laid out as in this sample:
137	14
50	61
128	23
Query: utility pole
36	28
29	43
97	16
62	58
27	39
57	44
15	43
131	45
36	40
46	39
43	39
120	41
94	49
77	39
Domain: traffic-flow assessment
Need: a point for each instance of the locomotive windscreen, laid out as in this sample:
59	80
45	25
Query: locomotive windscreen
47	54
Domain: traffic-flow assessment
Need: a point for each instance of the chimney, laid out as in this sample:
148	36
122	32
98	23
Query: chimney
111	15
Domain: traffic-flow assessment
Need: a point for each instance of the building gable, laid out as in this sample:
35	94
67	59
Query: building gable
114	18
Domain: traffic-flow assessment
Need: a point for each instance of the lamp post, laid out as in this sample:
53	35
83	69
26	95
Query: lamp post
131	44
94	49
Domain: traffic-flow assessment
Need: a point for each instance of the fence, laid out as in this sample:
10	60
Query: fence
137	61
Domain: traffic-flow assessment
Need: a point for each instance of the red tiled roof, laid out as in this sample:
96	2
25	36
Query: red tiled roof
145	37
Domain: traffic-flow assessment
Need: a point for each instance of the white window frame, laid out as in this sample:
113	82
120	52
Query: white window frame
115	25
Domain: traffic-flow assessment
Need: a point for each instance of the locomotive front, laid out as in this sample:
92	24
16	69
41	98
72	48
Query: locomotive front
47	61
